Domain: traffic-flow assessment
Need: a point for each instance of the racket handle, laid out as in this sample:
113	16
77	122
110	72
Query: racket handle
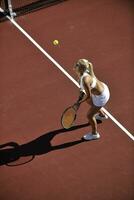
79	99
76	105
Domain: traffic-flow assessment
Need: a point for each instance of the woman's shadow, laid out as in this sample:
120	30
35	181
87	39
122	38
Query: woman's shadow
12	151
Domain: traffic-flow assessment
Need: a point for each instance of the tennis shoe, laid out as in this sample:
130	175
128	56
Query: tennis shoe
91	136
101	118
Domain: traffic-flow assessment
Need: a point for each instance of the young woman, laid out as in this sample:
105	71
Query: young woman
94	92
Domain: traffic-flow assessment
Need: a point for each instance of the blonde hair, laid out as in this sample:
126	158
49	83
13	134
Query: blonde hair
85	66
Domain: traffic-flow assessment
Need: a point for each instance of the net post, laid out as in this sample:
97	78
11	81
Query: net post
8	5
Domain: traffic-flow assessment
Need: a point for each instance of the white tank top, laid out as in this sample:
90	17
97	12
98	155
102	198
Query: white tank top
93	85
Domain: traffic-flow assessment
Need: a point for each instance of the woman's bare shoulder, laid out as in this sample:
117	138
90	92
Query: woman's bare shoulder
87	79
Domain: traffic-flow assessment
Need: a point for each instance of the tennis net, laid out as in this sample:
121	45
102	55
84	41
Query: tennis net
21	7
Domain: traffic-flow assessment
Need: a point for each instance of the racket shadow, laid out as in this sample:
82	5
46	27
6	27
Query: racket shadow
11	153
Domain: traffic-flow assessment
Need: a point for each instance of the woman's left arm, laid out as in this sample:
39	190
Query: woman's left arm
87	82
85	96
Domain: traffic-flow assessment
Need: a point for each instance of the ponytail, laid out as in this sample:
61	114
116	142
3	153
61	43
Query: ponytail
90	68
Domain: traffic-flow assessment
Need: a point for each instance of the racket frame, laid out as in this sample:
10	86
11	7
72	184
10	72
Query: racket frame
75	107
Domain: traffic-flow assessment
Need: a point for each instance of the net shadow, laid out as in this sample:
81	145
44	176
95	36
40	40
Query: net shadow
25	7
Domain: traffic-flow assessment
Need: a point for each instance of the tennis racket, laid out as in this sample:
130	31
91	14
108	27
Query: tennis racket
69	116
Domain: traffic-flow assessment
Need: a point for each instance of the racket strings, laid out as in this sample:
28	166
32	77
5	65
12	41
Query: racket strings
68	118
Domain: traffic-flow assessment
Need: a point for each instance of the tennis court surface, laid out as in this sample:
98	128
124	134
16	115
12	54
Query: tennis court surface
38	158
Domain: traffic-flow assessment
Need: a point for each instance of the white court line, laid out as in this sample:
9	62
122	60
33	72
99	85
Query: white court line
65	72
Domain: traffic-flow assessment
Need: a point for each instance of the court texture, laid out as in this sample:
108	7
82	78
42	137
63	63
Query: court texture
38	158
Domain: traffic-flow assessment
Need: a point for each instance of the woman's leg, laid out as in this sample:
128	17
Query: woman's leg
91	118
101	113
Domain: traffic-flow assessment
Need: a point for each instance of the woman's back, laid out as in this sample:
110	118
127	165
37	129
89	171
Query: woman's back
95	85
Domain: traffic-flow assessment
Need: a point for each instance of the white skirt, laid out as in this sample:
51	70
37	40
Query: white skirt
102	99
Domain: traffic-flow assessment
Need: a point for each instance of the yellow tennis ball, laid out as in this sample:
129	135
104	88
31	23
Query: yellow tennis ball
55	42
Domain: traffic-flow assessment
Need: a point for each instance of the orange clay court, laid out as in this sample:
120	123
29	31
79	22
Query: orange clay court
39	160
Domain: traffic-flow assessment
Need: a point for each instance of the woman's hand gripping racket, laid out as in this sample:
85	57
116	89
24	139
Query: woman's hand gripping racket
69	115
